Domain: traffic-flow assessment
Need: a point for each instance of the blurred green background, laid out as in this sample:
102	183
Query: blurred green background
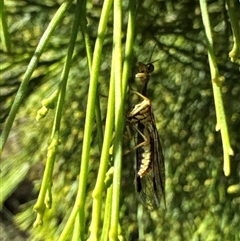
202	203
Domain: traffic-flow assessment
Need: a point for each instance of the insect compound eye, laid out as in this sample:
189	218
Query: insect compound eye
150	68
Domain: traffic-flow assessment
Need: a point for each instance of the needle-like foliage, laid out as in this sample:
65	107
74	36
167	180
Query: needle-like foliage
65	71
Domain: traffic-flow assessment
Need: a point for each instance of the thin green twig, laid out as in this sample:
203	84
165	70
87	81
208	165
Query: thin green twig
108	205
44	199
87	41
98	190
129	47
117	153
233	11
99	187
81	195
107	215
31	67
4	33
216	83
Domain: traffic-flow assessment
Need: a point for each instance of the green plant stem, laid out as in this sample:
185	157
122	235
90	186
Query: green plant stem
31	67
129	47
216	83
76	228
4	34
121	84
97	109
81	195
86	37
41	204
83	24
99	187
47	178
234	20
117	154
107	215
98	191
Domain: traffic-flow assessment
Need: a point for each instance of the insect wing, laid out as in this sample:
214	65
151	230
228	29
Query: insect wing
146	189
158	166
151	186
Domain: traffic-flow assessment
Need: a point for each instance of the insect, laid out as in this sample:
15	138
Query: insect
150	171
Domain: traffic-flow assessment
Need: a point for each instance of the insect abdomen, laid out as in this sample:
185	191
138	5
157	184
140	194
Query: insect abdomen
146	164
